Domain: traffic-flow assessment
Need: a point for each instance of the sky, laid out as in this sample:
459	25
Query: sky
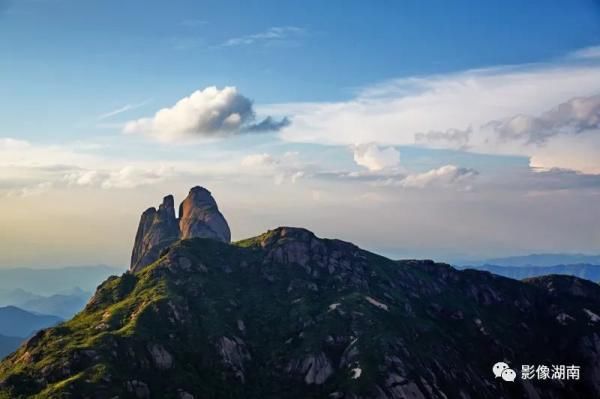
429	129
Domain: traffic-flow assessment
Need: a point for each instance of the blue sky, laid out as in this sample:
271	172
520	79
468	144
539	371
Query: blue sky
438	113
101	54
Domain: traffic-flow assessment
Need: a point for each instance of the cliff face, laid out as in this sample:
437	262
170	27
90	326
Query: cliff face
199	218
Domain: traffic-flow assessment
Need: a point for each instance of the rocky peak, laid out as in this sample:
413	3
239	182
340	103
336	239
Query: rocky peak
199	216
159	228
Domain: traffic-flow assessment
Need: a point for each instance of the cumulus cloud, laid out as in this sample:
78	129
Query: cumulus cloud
376	158
448	175
205	113
517	110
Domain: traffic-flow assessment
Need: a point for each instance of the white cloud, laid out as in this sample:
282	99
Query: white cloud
376	158
258	160
205	113
274	34
123	178
445	176
455	111
32	169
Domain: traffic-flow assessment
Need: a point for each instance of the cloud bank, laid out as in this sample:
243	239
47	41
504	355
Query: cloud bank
545	112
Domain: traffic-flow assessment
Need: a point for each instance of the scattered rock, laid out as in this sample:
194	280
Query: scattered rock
376	303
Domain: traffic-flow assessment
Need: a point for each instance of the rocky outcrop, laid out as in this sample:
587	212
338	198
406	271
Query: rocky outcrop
159	228
199	216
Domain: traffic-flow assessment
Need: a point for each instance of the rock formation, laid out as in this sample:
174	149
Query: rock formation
199	217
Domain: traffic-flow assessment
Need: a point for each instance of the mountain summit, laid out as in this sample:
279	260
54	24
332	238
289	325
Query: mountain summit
199	217
290	315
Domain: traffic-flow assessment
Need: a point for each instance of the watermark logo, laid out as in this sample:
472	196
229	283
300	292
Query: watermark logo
502	370
537	372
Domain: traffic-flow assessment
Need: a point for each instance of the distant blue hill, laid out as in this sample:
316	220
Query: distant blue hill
586	271
65	306
543	260
15	322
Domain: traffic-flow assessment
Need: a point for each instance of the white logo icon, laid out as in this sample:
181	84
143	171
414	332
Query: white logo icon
509	375
502	370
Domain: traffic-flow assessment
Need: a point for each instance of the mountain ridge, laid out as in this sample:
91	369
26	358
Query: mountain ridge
287	314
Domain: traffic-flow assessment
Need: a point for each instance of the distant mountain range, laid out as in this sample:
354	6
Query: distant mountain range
47	282
542	260
64	305
586	271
